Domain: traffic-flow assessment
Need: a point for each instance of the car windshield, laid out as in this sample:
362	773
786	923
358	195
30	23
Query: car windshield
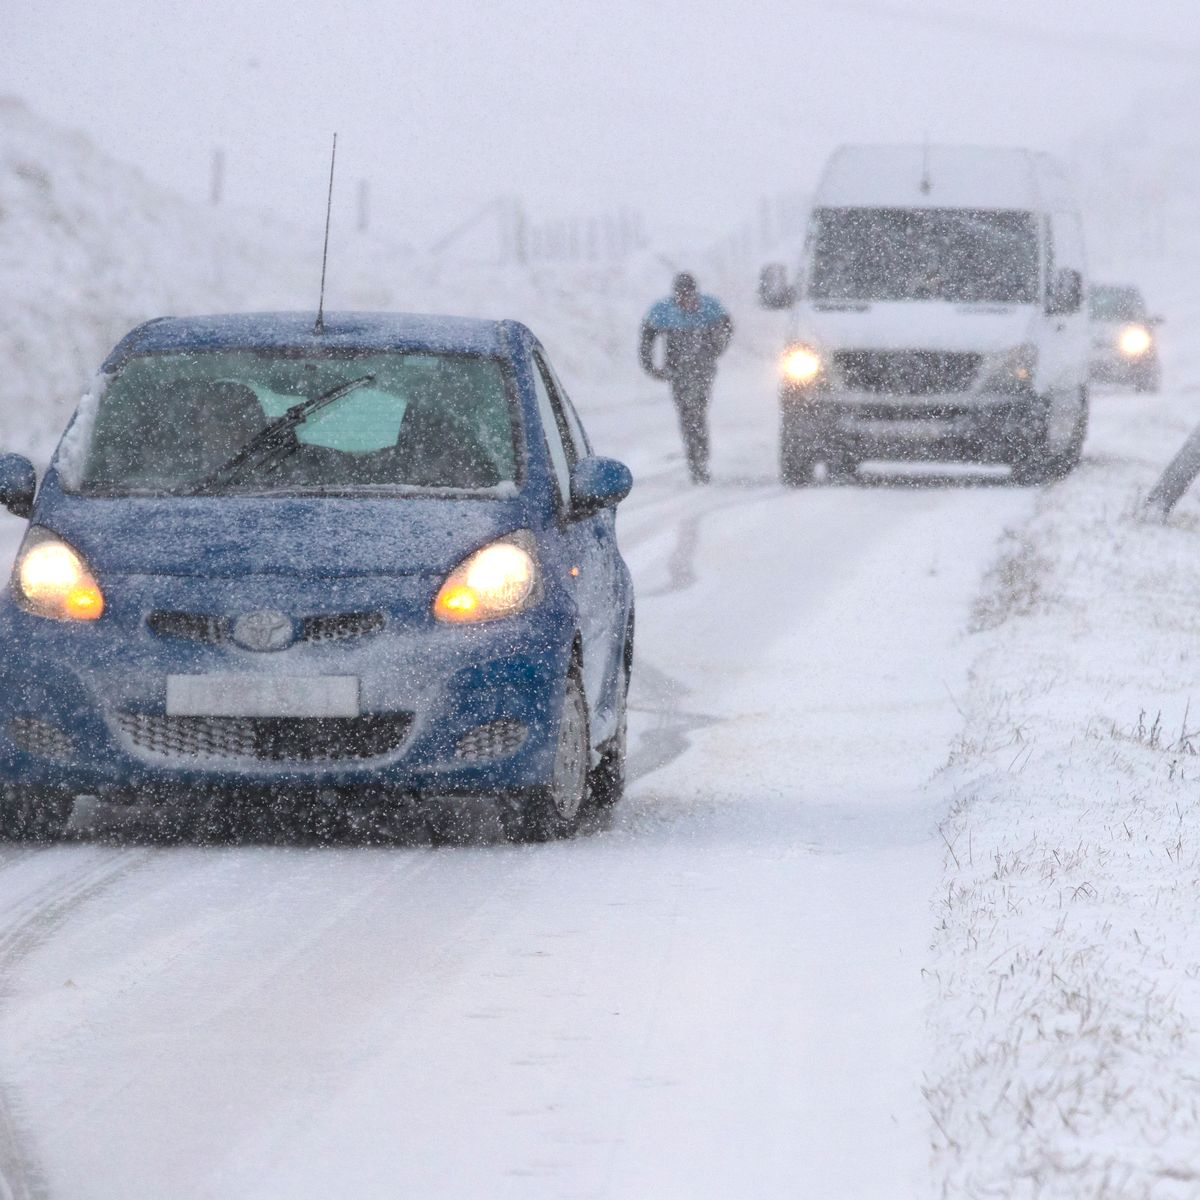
963	256
167	422
1116	304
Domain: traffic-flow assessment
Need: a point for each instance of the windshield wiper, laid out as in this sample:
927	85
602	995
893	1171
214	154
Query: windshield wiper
269	439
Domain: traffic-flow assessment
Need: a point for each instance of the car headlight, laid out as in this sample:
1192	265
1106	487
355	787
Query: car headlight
800	364
499	580
51	579
1134	340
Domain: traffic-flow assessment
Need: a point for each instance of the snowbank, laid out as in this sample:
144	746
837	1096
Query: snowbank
1066	965
88	248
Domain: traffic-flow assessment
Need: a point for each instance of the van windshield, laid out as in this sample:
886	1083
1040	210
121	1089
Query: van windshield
964	256
168	422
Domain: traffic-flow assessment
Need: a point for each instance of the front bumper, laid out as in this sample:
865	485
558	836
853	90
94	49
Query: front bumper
980	426
464	710
1113	367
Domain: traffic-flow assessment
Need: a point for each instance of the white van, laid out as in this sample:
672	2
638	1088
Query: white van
937	314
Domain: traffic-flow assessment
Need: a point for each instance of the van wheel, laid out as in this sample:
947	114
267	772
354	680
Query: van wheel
841	468
1033	463
555	810
797	463
34	814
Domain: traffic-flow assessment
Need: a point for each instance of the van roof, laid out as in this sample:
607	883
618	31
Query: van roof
917	176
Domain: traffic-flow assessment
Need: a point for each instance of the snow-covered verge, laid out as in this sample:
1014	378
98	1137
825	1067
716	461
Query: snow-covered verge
89	248
1066	965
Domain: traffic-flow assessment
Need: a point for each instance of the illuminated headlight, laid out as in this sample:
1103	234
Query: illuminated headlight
51	579
1134	340
801	364
499	580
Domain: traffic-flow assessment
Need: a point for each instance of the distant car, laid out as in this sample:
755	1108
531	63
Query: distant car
1124	342
375	560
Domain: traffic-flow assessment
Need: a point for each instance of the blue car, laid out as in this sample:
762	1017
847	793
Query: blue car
372	561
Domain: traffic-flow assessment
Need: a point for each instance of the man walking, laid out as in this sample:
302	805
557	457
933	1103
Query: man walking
695	330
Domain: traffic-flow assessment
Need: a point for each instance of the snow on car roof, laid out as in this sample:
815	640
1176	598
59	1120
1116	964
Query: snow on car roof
294	330
956	176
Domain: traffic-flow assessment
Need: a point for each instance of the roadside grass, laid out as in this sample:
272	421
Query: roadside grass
1065	975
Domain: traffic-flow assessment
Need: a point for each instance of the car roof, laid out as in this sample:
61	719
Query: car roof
294	331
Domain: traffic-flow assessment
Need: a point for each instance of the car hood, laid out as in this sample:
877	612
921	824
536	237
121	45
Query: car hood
918	325
235	536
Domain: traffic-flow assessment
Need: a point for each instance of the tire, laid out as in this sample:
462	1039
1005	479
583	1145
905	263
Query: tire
606	781
555	810
1149	380
34	814
840	468
796	458
1035	464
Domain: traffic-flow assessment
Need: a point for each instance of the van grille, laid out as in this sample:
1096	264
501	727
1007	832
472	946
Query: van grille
268	739
907	372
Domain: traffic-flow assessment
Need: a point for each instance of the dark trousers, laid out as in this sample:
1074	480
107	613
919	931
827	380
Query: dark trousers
691	394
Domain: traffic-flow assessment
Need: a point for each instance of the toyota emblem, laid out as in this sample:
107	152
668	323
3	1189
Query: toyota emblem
265	630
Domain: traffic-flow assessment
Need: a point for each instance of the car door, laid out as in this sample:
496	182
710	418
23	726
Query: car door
588	539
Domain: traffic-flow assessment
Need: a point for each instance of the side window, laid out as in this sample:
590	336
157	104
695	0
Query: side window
573	432
551	428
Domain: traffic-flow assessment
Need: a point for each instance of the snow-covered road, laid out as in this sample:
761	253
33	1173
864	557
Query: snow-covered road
717	995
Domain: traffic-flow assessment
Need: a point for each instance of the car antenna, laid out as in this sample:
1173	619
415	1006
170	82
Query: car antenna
319	327
926	181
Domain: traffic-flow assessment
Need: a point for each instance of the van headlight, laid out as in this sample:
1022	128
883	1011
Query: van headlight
1011	369
499	580
51	579
800	364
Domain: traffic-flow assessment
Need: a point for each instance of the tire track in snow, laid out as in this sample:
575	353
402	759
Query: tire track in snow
41	913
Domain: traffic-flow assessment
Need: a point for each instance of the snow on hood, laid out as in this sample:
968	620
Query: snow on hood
227	537
917	325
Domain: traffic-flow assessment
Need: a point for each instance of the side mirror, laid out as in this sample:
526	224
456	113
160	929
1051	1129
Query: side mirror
18	484
774	291
598	483
1155	321
1066	293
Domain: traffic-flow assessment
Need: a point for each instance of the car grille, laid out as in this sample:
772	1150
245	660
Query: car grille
493	740
216	629
40	737
268	739
907	372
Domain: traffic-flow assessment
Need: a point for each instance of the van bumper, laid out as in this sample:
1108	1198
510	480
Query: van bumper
971	426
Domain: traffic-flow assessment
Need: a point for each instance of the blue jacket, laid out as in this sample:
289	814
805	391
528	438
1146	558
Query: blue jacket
694	339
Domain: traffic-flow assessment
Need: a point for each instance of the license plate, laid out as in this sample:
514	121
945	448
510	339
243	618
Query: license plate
927	429
262	696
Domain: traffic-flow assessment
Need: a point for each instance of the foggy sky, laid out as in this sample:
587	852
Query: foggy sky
688	111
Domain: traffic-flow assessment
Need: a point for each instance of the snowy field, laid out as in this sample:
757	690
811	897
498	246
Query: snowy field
899	903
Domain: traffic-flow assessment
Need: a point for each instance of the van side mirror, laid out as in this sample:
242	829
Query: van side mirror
598	483
1156	321
18	484
1066	293
774	291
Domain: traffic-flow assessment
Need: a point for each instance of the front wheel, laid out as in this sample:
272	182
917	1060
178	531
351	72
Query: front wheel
606	782
1035	462
555	810
797	460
